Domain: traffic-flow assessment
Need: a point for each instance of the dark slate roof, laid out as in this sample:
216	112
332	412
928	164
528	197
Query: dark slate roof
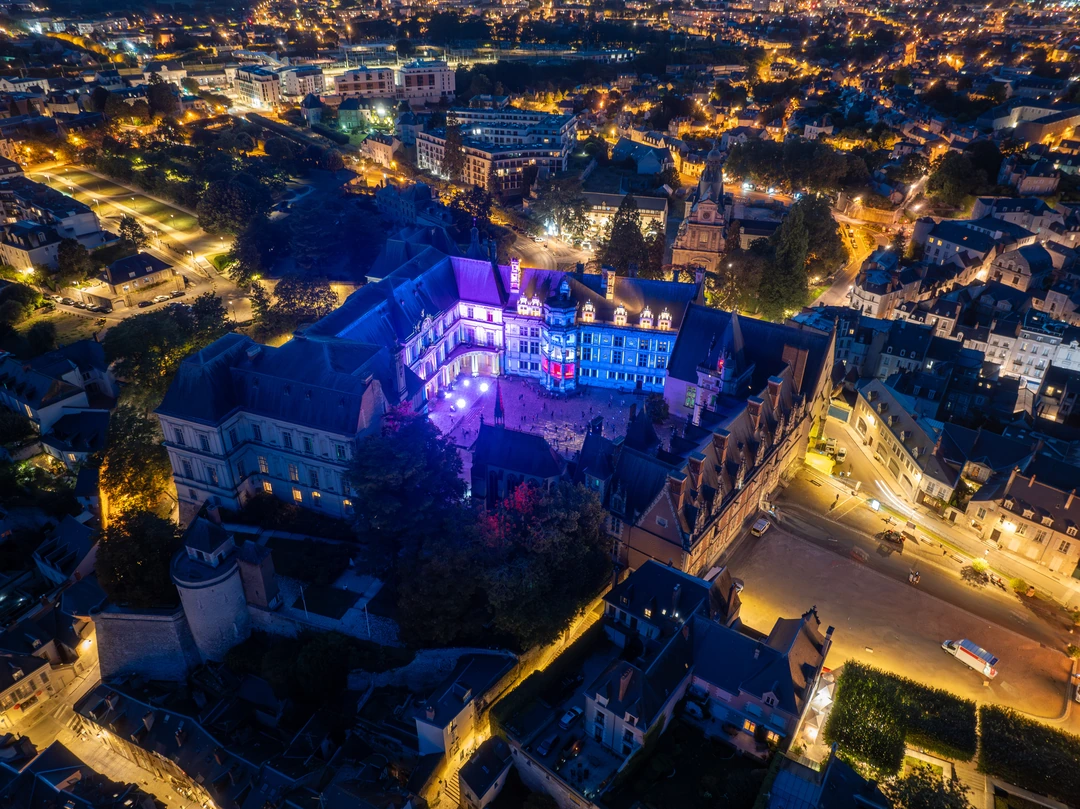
486	765
473	675
82	597
701	342
317	383
958	233
516	451
30	634
81	431
204	535
86	355
67	545
1058	474
663	591
784	664
88	482
1044	499
961	444
25	665
31	386
133	267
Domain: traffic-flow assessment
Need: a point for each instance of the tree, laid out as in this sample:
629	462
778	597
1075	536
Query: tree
669	177
407	481
133	560
41	337
135	470
453	161
625	244
14	427
952	178
560	204
256	249
655	249
656	408
131	232
333	161
229	205
551	554
783	286
404	48
73	263
922	788
160	96
825	248
305	298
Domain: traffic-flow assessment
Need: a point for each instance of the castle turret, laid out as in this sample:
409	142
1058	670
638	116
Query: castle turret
206	573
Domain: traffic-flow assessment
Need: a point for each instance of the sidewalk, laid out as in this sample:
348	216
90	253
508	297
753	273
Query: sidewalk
1061	588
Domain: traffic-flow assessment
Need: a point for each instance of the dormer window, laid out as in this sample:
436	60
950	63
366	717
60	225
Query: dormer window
1047	520
620	315
665	320
588	312
646	320
1028	513
1009	502
648	612
523	306
534	306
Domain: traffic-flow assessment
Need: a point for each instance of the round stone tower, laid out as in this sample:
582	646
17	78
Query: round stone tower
206	574
922	230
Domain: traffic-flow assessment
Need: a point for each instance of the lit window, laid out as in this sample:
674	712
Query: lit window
297	496
648	612
316	499
264	467
749	726
268	487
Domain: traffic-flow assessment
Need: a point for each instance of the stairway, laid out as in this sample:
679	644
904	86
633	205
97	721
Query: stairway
452	791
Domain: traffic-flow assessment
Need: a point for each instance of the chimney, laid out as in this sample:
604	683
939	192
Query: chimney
697	465
607	282
753	405
796	359
676	485
213	513
148	720
624	682
1069	499
579	270
430	713
720	443
633	413
774	391
675	600
1031	480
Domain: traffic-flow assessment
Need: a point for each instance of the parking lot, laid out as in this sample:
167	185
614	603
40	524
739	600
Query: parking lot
890	624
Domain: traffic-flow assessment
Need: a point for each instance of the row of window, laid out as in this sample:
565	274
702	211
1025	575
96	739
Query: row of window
307	442
623	341
615	357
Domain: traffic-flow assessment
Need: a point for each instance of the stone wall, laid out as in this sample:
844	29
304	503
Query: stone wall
156	643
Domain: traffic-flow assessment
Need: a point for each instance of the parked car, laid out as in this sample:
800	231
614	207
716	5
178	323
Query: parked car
570	751
178	294
79	305
761	526
67	301
547	745
144	304
841	454
160	298
570	717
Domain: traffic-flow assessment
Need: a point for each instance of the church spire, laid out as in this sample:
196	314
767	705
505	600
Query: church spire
500	411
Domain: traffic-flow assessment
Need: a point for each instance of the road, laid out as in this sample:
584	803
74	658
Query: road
551	254
174	235
882	620
860	242
876	482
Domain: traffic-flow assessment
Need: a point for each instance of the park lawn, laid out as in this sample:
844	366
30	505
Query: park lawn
69	328
329	601
101	188
910	763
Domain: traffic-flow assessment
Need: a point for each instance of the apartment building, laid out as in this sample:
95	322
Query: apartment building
301	81
366	82
258	87
1036	518
425	81
500	143
24	200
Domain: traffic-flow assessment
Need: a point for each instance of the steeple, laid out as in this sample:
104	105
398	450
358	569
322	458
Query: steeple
711	184
500	411
475	249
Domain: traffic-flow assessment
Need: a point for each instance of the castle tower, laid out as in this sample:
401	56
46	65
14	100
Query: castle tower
711	184
206	574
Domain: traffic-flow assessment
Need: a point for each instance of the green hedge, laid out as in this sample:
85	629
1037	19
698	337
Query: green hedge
865	722
1029	754
332	134
876	713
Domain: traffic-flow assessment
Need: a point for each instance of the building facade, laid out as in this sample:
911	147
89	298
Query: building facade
258	87
366	82
425	81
